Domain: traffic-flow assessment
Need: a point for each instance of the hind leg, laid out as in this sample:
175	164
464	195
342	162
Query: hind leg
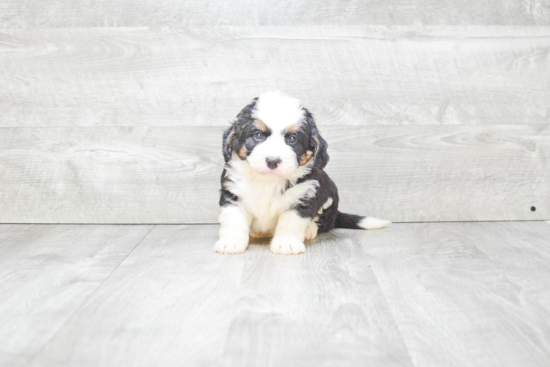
311	230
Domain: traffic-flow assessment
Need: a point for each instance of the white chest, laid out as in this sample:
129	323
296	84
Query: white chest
266	199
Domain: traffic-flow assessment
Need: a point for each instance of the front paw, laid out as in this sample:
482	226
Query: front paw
287	245
231	246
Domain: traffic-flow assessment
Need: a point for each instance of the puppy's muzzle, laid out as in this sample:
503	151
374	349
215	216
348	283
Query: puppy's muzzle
272	162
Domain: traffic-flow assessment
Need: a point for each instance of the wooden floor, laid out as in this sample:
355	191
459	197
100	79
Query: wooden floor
417	294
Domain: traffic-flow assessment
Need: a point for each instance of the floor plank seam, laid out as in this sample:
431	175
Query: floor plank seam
368	256
502	270
215	223
17	234
87	299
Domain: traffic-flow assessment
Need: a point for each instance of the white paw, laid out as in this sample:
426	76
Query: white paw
311	231
287	245
231	246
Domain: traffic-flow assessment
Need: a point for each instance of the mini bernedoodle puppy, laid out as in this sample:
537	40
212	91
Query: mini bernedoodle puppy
273	183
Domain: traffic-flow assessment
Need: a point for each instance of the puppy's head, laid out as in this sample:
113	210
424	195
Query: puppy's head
276	136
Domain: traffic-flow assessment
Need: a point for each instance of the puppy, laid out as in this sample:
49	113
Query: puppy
273	183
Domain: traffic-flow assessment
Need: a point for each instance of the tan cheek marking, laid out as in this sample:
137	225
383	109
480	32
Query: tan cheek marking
242	152
225	186
260	125
306	157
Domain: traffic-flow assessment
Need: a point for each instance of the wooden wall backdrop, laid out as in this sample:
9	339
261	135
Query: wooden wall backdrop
433	110
171	174
199	76
131	13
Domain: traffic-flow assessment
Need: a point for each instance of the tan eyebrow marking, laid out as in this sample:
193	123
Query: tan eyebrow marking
260	125
292	128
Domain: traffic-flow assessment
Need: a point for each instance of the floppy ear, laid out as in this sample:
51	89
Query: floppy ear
317	143
228	136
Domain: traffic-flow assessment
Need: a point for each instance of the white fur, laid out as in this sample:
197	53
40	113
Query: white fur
265	199
264	206
290	234
262	191
311	230
274	146
373	223
325	206
277	110
235	226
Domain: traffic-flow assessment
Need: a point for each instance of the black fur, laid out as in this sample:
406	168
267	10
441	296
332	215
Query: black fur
241	133
226	197
317	143
310	208
330	217
344	220
234	137
242	130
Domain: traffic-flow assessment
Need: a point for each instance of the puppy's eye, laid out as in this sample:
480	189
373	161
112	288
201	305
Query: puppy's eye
291	139
258	136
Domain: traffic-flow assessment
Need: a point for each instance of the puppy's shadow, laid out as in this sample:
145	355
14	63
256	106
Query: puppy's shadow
265	241
260	241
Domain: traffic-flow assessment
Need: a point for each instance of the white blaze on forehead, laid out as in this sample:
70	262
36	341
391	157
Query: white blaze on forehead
278	111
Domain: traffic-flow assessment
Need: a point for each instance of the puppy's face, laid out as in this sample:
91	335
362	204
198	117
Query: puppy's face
276	136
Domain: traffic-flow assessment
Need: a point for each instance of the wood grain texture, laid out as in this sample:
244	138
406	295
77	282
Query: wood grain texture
416	294
47	273
169	303
346	75
171	174
66	13
458	304
174	300
526	243
110	175
324	308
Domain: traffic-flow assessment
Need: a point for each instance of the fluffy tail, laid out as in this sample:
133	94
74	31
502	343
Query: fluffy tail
352	221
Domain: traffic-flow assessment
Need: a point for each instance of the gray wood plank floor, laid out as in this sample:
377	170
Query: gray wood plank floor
417	294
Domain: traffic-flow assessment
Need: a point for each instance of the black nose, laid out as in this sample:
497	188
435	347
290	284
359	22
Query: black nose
272	162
